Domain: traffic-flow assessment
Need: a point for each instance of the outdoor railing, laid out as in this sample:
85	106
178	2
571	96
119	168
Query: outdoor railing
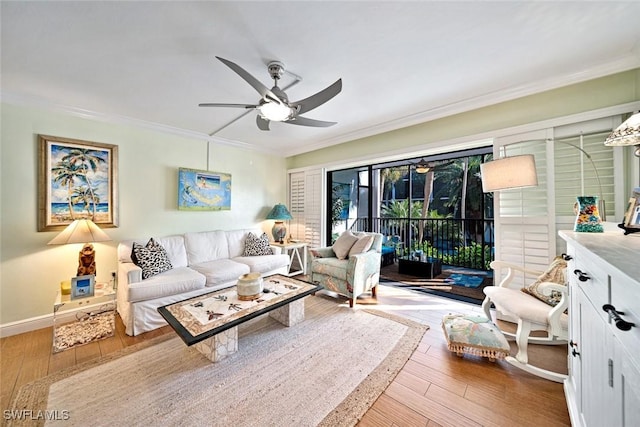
458	242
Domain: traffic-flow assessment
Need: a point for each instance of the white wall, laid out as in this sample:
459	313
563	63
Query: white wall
31	271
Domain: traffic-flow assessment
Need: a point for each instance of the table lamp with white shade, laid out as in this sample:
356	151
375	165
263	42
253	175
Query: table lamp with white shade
82	231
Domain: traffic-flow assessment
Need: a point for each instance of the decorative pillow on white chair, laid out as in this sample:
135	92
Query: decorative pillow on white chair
152	258
555	274
343	244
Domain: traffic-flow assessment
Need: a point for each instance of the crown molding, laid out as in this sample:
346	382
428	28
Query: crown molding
36	102
624	63
473	141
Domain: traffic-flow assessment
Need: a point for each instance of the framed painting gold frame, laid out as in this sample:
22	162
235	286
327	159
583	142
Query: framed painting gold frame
77	180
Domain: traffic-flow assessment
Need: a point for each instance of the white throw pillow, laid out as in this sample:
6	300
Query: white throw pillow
344	243
362	245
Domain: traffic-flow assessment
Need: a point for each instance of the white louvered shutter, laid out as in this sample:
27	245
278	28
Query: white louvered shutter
524	218
305	200
527	220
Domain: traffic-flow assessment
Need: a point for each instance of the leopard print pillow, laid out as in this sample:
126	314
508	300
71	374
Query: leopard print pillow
152	258
254	245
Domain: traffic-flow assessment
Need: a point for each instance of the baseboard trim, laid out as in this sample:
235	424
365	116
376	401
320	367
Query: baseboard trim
39	322
27	325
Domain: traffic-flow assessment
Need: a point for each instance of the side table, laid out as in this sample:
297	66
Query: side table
293	250
83	320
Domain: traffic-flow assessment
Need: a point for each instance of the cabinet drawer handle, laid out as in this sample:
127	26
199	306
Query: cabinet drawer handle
572	344
583	277
621	324
575	353
567	257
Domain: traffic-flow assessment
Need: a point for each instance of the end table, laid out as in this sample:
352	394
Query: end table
83	320
293	250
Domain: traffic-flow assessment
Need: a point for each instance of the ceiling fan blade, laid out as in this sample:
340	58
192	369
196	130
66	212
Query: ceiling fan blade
303	121
264	91
214	104
319	98
263	124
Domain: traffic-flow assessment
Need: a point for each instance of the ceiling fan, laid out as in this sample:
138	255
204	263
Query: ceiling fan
274	104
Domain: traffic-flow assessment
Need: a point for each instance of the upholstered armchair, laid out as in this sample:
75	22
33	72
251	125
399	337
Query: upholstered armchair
350	267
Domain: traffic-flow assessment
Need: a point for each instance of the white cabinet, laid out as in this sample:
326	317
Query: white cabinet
603	387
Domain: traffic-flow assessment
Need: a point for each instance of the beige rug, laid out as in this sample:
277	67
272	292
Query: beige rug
327	370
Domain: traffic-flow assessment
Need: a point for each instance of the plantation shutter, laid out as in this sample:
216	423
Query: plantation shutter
305	202
296	205
577	175
527	220
524	217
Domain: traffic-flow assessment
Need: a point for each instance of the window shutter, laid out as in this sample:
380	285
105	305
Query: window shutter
305	201
524	218
576	175
296	205
527	220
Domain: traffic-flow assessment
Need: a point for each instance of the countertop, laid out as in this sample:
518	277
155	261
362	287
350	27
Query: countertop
620	251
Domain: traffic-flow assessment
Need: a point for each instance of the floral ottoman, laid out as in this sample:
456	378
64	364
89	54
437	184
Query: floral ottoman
474	335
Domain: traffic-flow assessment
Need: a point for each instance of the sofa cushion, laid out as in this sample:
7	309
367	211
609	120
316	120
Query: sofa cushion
255	245
221	271
152	258
171	282
206	246
176	251
513	301
343	244
333	267
236	240
264	263
362	245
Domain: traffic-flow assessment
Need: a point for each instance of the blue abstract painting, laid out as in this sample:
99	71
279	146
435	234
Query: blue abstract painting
203	190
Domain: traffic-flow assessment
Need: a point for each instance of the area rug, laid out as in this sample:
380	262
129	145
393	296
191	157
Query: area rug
440	285
327	370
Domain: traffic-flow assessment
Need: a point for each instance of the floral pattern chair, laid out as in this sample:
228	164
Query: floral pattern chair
351	277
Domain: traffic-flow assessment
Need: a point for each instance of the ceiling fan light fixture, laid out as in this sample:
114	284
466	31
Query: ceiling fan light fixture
275	112
422	166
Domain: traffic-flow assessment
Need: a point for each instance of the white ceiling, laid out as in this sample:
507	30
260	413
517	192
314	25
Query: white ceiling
401	62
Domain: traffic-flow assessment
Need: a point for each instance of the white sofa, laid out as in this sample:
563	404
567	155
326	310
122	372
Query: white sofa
201	262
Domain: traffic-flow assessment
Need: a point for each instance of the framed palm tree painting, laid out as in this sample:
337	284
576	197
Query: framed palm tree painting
78	180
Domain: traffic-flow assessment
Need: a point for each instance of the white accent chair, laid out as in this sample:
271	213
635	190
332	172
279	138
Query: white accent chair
532	315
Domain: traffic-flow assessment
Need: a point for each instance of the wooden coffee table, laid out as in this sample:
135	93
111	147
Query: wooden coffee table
210	321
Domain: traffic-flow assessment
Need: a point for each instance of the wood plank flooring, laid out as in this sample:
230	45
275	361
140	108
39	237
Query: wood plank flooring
435	387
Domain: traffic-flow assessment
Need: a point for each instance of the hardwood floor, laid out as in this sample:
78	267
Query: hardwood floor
435	387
